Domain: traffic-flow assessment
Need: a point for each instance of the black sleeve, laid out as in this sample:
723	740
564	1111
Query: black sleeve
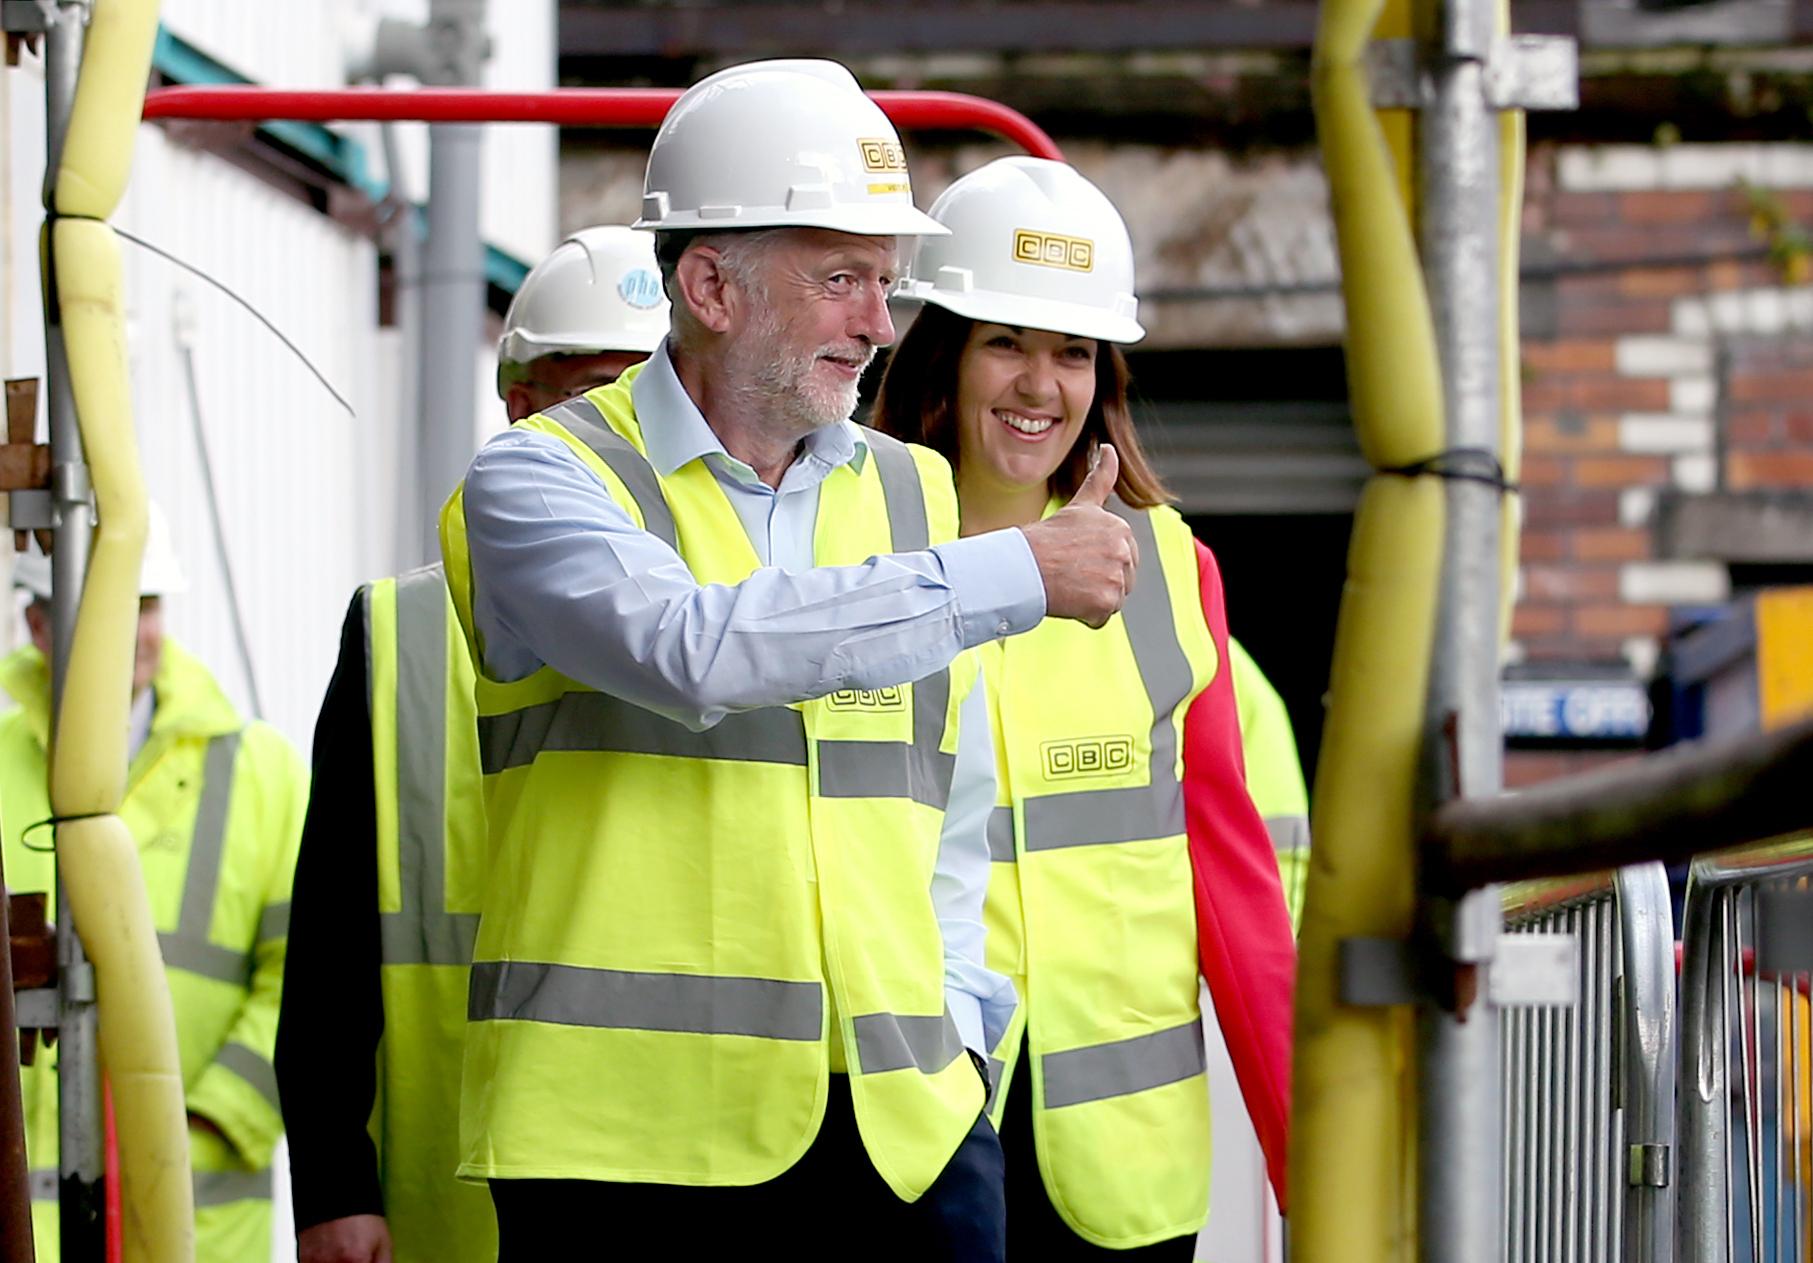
332	1015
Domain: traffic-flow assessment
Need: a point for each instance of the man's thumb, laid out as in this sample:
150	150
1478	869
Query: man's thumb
1100	482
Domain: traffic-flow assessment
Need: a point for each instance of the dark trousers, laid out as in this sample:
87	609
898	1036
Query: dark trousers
1033	1224
832	1200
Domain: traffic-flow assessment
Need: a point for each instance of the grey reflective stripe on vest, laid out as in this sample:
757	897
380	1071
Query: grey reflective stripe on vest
900	489
422	931
613	999
585	422
1154	810
188	947
1288	833
1123	1067
598	722
274	922
212	1188
253	1067
881	769
891	1041
217	1188
1001	835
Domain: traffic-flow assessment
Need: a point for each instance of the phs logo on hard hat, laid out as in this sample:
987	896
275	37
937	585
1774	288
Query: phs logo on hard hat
641	289
1052	250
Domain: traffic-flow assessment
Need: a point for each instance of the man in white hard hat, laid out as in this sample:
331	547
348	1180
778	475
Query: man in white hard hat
215	803
728	978
588	311
374	1006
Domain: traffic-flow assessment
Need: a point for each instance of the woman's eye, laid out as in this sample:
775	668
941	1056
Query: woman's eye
1079	354
1004	342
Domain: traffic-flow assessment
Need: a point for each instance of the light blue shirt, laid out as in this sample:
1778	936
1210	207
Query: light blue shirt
564	577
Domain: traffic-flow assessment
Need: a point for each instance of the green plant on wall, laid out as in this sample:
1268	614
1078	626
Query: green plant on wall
1790	245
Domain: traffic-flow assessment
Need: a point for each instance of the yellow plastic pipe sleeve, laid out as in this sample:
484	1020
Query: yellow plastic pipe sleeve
1353	1152
97	859
110	97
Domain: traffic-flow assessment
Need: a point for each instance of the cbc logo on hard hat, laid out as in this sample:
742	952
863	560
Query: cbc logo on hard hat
641	289
1053	250
883	157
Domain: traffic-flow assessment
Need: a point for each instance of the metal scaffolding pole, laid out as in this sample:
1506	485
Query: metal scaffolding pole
81	1151
1459	1147
450	296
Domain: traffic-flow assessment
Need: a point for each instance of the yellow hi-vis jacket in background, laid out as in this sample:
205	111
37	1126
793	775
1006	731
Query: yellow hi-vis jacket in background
685	933
1090	906
215	804
431	854
1274	777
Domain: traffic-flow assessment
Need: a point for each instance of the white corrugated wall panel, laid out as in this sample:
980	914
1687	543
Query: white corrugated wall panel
305	490
518	207
284	45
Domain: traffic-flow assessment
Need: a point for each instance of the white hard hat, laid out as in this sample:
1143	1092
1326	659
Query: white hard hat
161	573
1033	244
779	144
598	290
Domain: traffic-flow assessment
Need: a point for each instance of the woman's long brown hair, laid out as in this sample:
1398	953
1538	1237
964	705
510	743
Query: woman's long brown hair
918	402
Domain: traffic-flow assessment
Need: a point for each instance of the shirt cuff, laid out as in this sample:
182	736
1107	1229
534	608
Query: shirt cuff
966	1012
996	583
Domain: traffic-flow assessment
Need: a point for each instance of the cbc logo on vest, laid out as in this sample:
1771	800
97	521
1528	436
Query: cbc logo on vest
868	699
1087	756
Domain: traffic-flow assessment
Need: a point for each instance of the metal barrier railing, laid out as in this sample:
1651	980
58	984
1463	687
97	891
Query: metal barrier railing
1589	1089
1744	1125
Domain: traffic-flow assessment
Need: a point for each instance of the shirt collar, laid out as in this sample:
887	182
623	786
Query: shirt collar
674	431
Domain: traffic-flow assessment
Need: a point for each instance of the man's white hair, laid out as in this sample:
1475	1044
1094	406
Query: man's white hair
740	256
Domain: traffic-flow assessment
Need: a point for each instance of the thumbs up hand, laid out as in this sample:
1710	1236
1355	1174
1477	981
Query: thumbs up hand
1085	554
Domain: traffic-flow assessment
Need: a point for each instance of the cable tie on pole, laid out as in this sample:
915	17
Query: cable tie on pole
51	822
1459	464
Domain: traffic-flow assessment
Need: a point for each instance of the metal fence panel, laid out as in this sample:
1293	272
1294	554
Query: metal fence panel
1744	1102
1589	1089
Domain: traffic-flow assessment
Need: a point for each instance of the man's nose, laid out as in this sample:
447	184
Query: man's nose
873	320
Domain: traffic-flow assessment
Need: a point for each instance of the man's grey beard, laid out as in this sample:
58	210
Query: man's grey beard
780	387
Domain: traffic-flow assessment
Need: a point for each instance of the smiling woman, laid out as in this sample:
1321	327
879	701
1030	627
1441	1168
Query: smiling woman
1128	857
1018	412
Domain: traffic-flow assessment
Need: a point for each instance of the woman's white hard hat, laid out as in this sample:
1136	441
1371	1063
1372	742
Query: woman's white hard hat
1032	244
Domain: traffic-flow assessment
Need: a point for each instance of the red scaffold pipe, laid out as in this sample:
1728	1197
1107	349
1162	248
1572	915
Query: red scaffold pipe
567	107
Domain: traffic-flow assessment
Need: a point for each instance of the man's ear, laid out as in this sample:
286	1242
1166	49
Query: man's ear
521	400
705	288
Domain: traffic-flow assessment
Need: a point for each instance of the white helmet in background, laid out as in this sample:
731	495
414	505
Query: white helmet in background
598	290
160	574
1033	244
780	144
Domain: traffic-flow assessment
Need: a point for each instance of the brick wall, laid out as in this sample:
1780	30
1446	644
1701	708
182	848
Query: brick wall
1666	351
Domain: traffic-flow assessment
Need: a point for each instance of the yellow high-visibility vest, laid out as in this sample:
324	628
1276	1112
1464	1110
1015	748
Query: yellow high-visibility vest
215	805
682	929
1274	777
431	852
1090	904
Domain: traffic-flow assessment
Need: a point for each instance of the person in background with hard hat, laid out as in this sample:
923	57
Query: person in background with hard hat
1274	775
215	803
1129	857
728	980
392	864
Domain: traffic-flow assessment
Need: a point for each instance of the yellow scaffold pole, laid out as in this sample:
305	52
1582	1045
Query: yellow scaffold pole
1352	1160
97	859
1420	629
